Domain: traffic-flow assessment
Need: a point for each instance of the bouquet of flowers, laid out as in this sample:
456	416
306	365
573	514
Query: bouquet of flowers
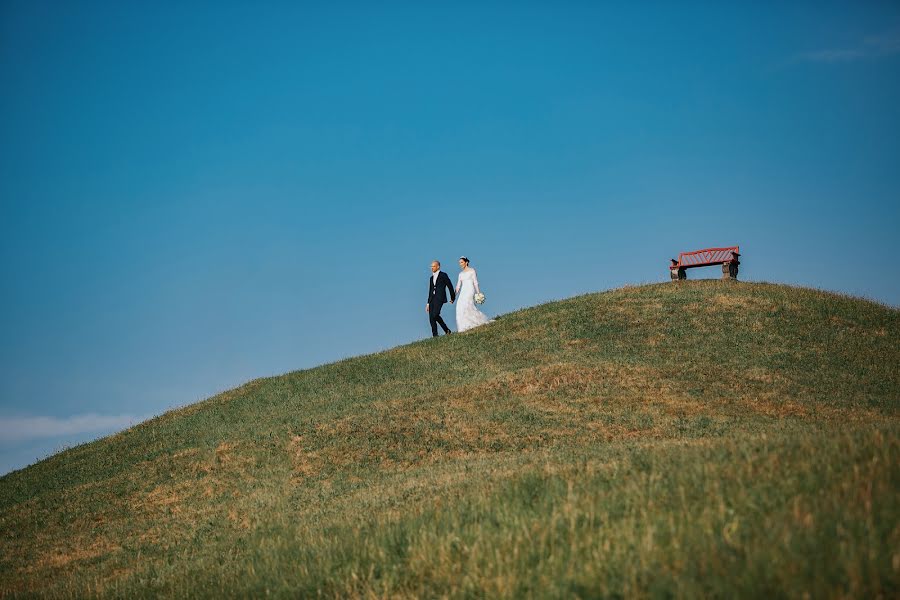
479	298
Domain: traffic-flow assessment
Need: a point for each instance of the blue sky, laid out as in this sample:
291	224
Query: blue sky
196	194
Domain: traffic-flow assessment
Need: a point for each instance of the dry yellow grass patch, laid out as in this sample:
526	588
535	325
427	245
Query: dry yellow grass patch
60	554
224	451
598	382
735	301
774	404
305	463
62	557
187	452
165	497
764	375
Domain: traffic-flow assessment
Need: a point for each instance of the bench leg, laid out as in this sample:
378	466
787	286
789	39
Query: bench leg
730	270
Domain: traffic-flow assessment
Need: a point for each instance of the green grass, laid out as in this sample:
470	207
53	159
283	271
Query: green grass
694	439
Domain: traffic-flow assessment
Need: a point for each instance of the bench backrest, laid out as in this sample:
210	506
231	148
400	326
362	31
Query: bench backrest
707	256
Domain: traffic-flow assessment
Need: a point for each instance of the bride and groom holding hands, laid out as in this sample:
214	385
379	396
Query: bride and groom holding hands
465	295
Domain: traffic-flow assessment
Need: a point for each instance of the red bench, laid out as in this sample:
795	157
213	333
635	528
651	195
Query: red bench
727	257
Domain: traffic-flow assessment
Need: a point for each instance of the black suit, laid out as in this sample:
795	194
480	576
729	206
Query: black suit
437	297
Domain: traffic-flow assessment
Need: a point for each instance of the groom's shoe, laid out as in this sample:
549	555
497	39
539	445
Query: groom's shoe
448	332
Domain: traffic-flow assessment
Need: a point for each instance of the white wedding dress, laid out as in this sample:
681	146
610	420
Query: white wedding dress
467	315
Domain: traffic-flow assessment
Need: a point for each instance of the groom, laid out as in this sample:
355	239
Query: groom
437	283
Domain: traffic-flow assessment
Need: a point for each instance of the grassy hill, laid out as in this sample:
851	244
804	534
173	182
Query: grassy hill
701	438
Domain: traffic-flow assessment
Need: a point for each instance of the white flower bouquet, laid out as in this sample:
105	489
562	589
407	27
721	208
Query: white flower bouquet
479	298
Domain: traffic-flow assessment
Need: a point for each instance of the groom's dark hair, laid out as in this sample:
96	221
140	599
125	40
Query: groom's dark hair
437	261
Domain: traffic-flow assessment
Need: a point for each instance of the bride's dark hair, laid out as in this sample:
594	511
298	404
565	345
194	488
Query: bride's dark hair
464	258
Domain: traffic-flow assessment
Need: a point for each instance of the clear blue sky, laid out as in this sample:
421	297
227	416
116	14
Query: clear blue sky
197	194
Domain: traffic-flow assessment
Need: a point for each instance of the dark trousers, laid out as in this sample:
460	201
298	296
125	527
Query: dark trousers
434	316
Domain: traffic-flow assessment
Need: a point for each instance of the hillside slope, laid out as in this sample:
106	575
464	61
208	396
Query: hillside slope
679	439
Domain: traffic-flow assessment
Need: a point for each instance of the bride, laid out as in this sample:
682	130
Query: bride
467	315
